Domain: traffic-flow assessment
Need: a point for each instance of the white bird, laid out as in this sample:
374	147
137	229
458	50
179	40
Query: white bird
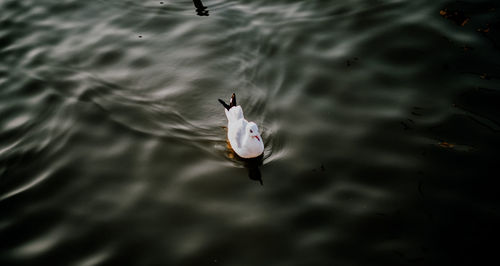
243	136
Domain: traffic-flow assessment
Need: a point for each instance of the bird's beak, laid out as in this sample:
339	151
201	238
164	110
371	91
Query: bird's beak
257	137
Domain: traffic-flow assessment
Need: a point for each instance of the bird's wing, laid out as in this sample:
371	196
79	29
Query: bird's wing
237	132
234	114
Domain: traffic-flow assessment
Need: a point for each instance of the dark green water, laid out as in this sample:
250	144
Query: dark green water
381	121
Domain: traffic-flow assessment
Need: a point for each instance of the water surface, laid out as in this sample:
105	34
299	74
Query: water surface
380	119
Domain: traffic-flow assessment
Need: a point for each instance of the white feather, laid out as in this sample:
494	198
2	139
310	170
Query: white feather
245	143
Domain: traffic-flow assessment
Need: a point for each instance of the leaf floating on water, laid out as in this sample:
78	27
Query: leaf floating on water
465	22
445	144
455	147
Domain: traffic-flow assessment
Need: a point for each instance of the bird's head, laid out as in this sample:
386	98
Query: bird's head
253	131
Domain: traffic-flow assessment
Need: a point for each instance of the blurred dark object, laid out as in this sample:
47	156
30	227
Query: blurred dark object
201	10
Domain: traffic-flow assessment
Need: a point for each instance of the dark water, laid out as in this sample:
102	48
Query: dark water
381	121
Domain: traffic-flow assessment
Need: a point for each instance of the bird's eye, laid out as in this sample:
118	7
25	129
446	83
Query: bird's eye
251	131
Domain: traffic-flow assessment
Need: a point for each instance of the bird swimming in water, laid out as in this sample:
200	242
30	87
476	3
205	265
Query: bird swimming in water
243	136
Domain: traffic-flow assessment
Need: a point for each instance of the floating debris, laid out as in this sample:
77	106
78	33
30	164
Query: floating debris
350	62
201	10
321	169
457	16
485	29
405	126
455	147
467	48
485	76
445	144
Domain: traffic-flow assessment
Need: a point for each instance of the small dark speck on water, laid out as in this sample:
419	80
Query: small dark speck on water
420	188
161	3
321	168
351	61
405	126
140	36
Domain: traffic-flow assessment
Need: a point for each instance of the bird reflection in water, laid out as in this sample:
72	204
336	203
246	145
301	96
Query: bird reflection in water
201	10
253	168
252	165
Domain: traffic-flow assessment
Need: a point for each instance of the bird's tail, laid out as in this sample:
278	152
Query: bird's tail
232	102
224	104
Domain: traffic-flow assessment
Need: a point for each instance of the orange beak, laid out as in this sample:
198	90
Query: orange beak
257	137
